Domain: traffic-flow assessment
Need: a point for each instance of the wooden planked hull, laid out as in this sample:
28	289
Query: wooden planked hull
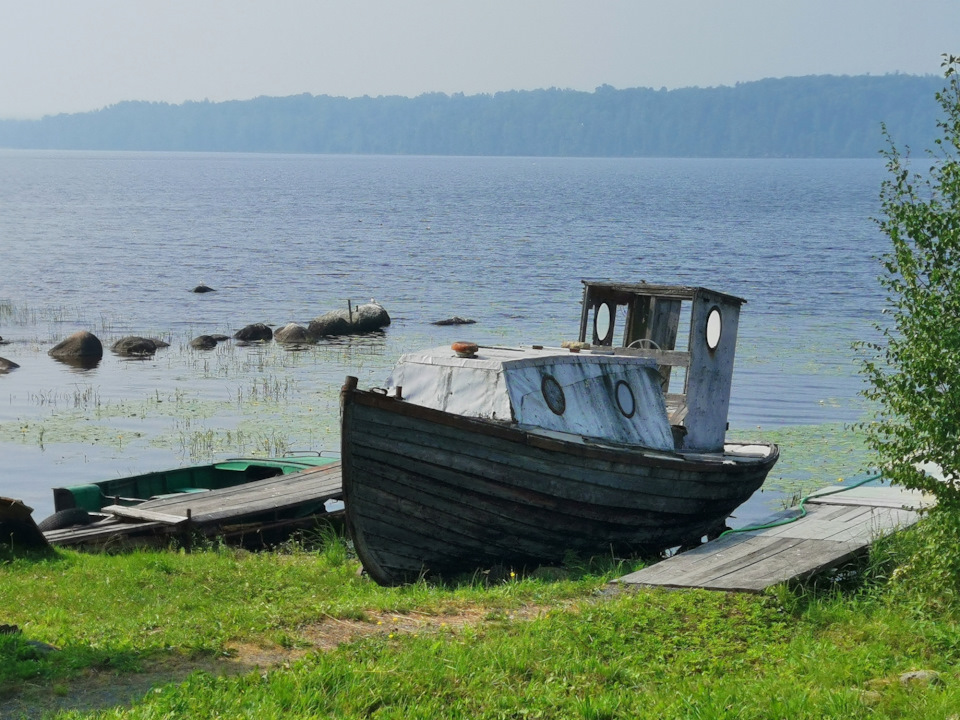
432	492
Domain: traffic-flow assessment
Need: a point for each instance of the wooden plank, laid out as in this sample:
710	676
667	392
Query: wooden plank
683	571
863	524
272	494
874	496
213	508
672	358
806	558
726	549
823	519
101	532
137	513
829	535
770	562
246	506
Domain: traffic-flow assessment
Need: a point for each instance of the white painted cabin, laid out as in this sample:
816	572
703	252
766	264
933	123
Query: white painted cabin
596	395
624	392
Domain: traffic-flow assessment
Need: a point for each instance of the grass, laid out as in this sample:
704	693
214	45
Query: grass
297	633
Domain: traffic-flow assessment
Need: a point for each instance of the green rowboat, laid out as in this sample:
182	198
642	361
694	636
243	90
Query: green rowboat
130	491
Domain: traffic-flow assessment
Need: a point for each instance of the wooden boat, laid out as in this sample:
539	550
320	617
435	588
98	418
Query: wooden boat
521	456
85	503
17	527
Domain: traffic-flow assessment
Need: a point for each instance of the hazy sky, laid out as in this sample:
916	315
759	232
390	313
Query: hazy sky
73	55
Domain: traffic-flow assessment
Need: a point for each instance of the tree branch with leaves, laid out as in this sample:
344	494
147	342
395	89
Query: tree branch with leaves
913	369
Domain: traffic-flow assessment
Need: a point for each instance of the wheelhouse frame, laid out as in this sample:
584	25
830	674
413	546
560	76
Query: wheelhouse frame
648	319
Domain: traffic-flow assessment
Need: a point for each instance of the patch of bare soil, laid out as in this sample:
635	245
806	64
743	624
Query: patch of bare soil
97	690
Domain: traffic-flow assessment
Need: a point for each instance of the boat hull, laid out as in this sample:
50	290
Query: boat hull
431	492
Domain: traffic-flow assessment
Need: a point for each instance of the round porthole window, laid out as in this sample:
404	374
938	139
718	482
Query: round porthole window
553	394
714	328
603	323
625	400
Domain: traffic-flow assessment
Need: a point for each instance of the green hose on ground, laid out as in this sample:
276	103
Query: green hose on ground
802	507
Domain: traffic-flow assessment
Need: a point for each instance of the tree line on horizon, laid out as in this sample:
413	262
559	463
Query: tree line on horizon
799	117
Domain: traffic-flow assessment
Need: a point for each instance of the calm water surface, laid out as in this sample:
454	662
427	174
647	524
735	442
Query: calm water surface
113	242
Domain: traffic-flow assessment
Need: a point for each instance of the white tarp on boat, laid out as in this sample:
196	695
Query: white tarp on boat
614	398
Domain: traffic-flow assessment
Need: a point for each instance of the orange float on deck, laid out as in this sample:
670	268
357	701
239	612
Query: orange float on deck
465	349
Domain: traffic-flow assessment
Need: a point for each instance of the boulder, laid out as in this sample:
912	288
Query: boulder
331	323
257	331
292	333
201	288
455	320
220	338
364	318
81	344
134	346
203	342
7	365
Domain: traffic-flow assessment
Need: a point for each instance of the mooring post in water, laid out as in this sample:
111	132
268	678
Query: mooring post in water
349	310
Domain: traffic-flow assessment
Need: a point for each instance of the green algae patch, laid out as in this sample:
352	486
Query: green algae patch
106	422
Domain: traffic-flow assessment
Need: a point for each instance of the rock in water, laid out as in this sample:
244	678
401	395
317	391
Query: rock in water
257	331
292	333
81	344
455	320
201	288
7	365
203	342
364	318
135	346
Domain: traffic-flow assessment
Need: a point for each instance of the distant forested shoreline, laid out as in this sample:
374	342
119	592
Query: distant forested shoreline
802	117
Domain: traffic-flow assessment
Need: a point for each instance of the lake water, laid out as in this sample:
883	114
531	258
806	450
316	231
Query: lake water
113	242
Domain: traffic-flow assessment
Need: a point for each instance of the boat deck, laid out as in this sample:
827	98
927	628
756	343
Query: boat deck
271	503
836	528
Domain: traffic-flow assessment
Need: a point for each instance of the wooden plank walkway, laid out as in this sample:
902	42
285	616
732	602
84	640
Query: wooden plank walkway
836	528
270	500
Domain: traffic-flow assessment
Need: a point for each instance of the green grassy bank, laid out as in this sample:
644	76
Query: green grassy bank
298	633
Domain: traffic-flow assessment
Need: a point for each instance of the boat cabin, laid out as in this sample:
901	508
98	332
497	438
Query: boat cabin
598	396
664	385
691	334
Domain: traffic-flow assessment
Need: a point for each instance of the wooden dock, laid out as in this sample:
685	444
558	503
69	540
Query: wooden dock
277	502
836	528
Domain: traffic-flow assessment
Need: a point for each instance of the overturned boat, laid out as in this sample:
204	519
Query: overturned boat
476	456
